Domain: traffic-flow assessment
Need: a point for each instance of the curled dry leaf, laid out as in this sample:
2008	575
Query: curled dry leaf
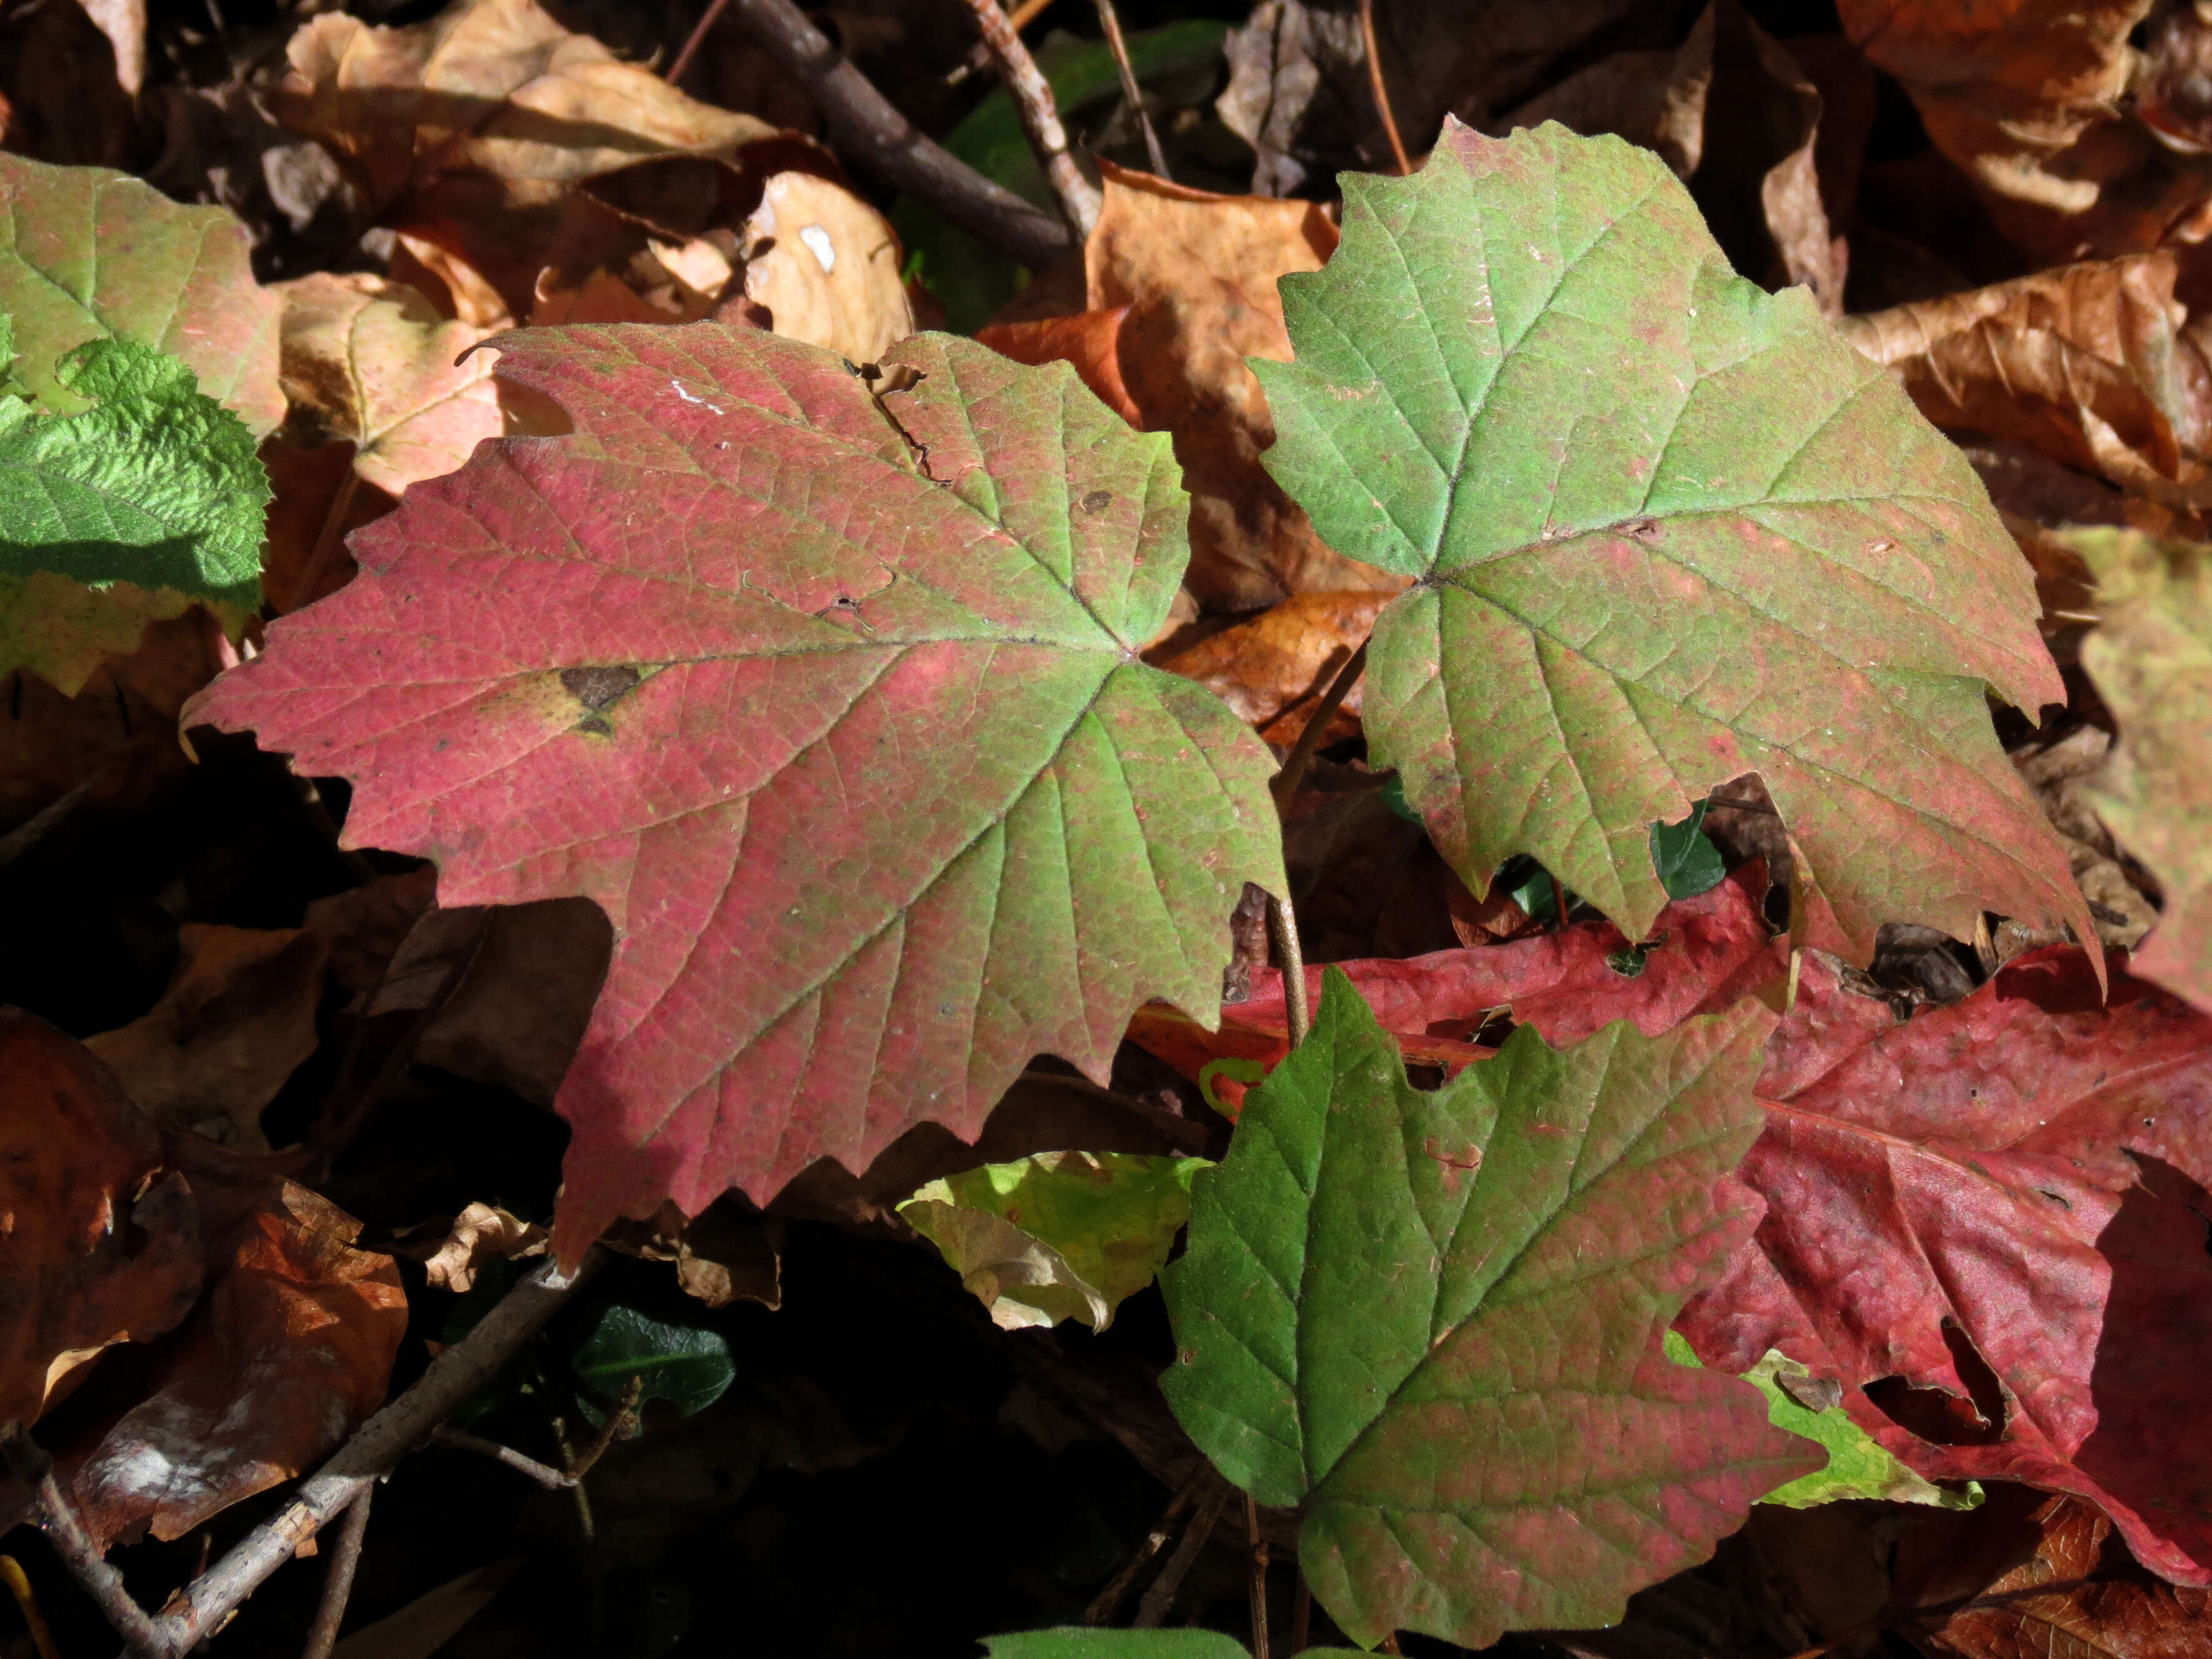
480	1234
494	87
1272	668
825	266
1192	277
102	1233
2151	659
369	361
237	1019
2095	364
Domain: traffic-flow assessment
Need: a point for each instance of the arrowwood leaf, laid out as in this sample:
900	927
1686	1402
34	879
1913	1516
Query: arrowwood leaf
2151	659
1434	1320
858	758
1668	529
1986	1225
87	254
1057	1235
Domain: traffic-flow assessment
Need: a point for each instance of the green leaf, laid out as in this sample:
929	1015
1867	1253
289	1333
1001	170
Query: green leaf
685	1364
148	500
1434	1320
1667	529
90	254
1684	855
1857	1466
1087	1642
1057	1235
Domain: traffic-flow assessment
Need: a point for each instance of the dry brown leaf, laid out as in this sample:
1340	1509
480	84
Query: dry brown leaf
495	86
124	23
1090	340
443	276
287	1353
103	1235
365	927
1656	98
602	297
237	1020
2027	97
1272	668
2090	363
825	265
481	1233
369	361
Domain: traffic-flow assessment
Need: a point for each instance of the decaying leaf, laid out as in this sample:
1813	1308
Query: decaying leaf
103	1233
480	1233
2151	657
825	266
1058	1235
1435	1320
1272	668
367	360
1668	530
839	721
237	1020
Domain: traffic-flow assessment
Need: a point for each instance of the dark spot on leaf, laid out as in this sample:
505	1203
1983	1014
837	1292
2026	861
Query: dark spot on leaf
596	725
1815	1394
1098	500
595	688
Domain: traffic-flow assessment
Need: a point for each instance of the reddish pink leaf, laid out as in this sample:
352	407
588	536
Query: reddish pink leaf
1991	1218
830	699
1710	950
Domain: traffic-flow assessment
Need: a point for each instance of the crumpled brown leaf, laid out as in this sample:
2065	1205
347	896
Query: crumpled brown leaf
2066	774
481	1233
2027	97
1193	276
1272	668
2096	364
825	267
102	1233
237	1020
369	361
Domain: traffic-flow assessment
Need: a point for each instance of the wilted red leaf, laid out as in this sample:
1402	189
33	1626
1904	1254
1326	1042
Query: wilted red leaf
1707	952
102	1235
828	699
1988	1220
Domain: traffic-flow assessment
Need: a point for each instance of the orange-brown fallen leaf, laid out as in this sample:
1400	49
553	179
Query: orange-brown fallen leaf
1191	276
1272	668
101	1233
237	1020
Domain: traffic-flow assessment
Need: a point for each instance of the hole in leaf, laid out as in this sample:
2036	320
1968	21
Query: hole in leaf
1938	1415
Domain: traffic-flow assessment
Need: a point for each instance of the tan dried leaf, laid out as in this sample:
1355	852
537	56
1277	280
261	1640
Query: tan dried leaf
825	265
480	1234
370	360
1272	668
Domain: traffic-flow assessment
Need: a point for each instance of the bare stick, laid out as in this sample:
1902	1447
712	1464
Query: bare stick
873	136
338	1581
1111	20
452	1377
1259	1577
979	55
1032	94
1283	923
696	39
1293	773
1152	1611
56	1514
543	1473
1109	1601
1382	92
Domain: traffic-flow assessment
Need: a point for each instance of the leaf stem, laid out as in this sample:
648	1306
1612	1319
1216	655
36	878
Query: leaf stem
1258	1547
1295	763
1382	92
1032	95
1110	21
695	40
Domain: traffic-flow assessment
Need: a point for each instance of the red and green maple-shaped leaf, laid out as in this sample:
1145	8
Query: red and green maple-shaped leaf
832	702
1988	1225
1665	529
1435	1320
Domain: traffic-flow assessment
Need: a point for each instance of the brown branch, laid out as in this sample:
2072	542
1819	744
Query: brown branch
1132	93
543	1473
1286	782
1152	1611
877	138
1258	1547
1107	1602
56	1514
1032	95
979	55
338	1580
695	40
1382	92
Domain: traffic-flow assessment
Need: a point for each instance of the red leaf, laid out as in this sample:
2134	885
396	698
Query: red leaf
1989	1222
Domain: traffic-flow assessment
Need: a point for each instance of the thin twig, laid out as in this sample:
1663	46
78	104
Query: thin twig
1558	905
543	1473
1293	773
1283	923
695	40
338	1580
1152	1611
454	1376
56	1514
1107	1602
873	136
1259	1545
1032	94
979	55
1382	92
1111	20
